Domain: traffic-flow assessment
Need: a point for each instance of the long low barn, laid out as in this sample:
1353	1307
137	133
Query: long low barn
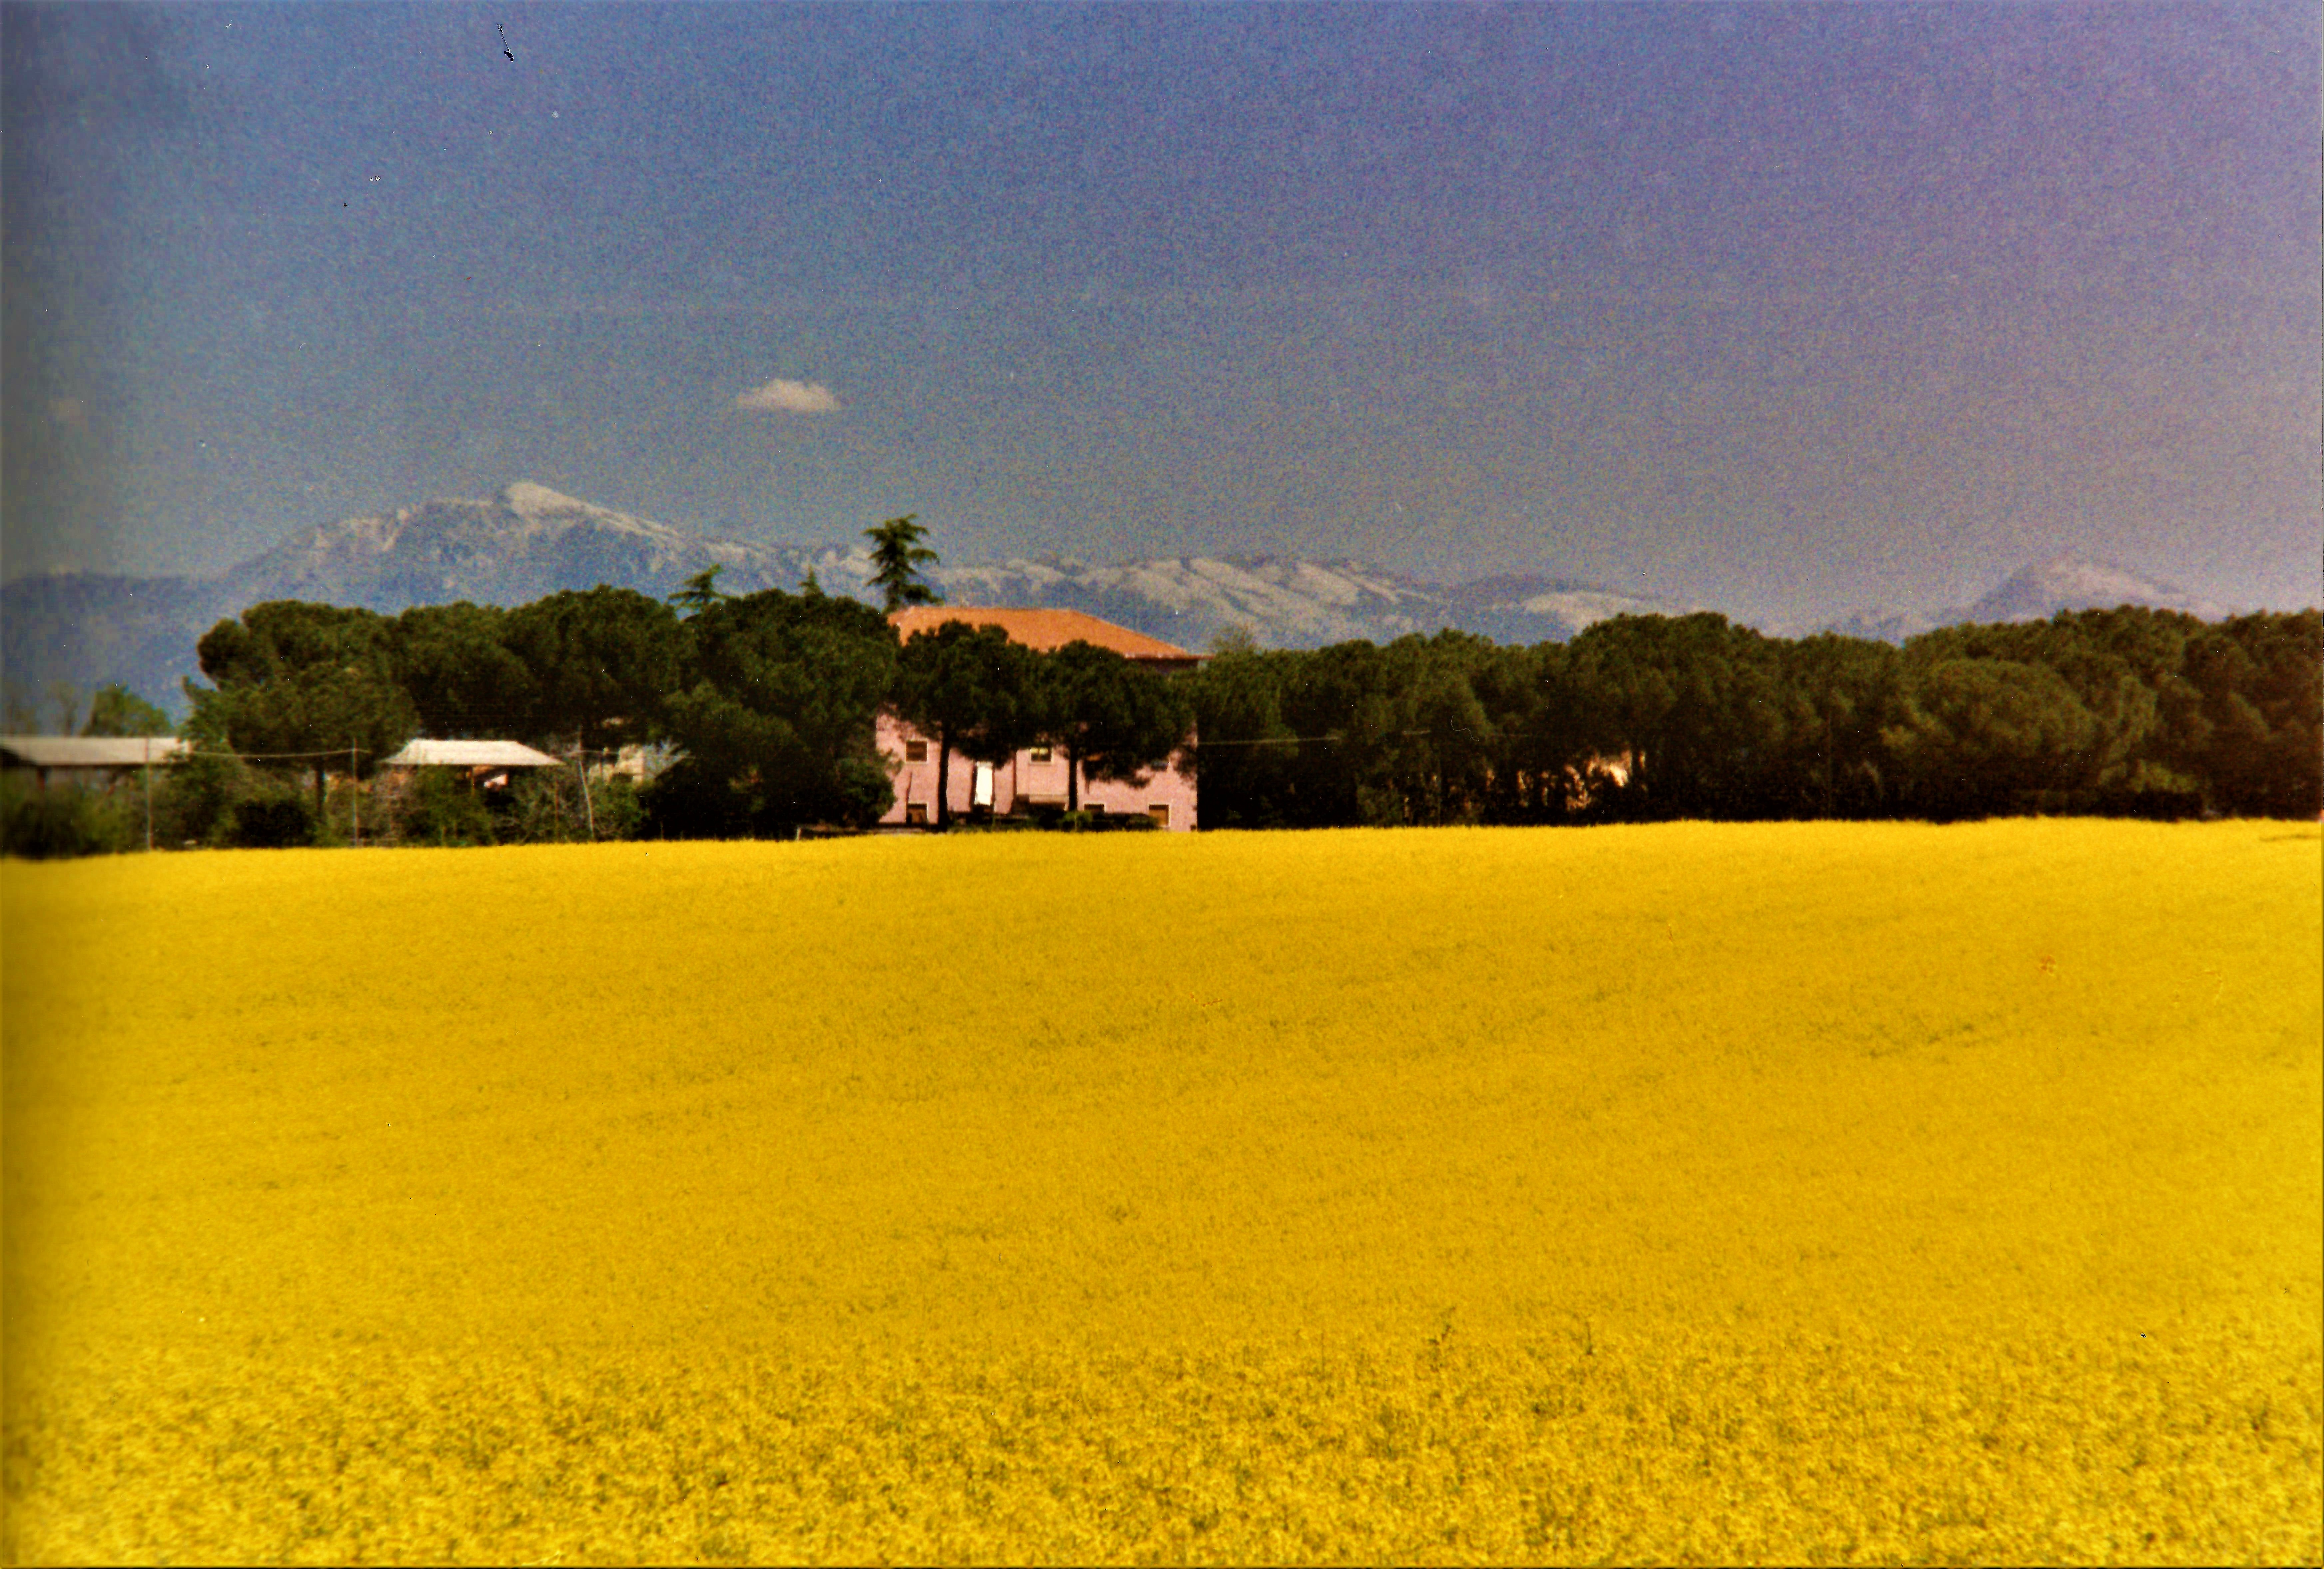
78	755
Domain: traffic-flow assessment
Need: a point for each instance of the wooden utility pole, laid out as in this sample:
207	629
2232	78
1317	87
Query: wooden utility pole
588	806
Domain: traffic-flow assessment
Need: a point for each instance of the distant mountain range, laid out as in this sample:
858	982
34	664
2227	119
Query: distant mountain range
88	629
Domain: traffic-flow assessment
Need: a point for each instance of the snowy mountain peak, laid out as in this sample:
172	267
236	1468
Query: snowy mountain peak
526	498
538	506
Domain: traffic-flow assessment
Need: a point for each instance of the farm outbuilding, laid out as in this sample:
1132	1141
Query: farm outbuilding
485	762
88	759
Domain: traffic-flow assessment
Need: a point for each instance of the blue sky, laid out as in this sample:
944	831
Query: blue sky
1777	309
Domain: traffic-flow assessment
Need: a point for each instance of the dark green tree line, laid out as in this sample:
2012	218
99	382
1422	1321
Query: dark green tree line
769	703
2121	712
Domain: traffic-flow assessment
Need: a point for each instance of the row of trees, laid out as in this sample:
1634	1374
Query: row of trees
770	701
2126	711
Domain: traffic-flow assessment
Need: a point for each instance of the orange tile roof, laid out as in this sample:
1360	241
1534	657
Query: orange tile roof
1044	630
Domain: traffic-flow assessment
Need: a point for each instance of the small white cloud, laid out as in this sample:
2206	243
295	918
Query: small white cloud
782	397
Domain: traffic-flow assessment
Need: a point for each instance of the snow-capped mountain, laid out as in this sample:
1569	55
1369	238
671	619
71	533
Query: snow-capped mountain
530	540
1289	602
526	541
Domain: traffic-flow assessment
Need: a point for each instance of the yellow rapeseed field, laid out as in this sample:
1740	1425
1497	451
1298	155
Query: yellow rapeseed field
1822	1191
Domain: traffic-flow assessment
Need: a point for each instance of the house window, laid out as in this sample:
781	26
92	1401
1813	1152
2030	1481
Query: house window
1038	754
1160	812
916	752
915	813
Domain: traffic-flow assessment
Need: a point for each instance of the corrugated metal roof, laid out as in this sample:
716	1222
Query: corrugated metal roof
1046	630
470	755
88	751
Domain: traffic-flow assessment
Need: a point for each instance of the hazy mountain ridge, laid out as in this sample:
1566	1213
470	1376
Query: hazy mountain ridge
530	540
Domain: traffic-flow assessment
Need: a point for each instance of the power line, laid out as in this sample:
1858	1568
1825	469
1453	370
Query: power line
270	756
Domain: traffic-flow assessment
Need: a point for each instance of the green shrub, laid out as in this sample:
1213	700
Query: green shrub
544	807
1102	822
271	821
441	809
620	812
58	824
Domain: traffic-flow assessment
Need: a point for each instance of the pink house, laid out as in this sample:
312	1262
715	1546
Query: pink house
1034	777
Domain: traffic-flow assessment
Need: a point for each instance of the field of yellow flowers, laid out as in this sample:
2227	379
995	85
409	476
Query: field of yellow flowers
1789	1193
